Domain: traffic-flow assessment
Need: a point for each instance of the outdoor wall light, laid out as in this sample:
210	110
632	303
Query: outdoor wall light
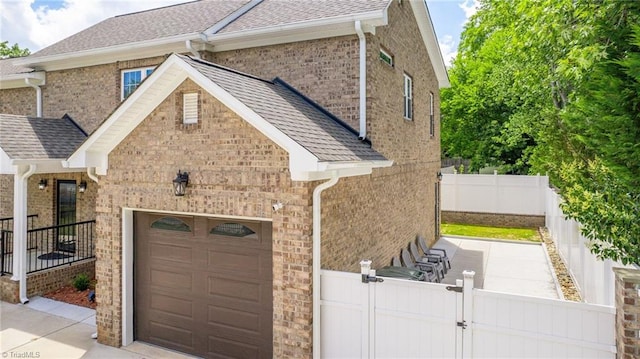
277	206
439	176
82	187
180	183
42	184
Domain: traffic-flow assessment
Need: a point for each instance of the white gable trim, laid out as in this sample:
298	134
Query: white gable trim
163	81
425	26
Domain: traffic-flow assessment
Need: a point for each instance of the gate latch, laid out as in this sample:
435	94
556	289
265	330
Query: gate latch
462	324
454	288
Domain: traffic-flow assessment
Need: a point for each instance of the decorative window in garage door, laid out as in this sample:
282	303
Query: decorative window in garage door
233	230
171	224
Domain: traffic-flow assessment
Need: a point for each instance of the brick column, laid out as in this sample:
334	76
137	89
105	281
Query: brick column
627	313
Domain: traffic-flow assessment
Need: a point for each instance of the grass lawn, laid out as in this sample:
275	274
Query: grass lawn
517	234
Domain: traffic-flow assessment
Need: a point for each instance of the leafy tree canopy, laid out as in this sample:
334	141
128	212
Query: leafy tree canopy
7	51
553	86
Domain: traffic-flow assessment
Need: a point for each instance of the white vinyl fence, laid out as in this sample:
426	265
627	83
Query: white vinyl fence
494	193
594	277
407	319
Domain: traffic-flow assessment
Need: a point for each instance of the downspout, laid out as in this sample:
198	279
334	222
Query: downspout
38	96
92	174
20	231
363	81
316	267
195	53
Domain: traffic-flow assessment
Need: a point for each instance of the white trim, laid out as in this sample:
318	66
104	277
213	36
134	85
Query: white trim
128	256
407	97
425	25
18	80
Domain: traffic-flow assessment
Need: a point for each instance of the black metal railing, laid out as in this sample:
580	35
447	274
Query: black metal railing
51	247
6	252
7	223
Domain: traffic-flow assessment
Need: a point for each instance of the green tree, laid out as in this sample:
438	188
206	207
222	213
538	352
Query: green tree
554	87
11	51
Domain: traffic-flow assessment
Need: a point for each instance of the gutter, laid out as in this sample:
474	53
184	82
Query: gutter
91	172
363	81
38	96
317	216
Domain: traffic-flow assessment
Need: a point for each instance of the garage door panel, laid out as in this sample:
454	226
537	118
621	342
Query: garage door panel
171	279
170	252
240	263
225	348
171	336
247	291
234	319
177	306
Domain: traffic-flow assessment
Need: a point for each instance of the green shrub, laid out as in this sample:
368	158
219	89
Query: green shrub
81	282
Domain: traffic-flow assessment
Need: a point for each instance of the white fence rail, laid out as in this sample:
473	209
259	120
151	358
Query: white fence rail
594	277
407	319
494	193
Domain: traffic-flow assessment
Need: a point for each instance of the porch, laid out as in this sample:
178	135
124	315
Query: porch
48	247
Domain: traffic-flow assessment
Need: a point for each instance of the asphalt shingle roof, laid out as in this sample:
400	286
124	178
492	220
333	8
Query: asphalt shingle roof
181	19
31	138
306	123
280	12
197	16
8	67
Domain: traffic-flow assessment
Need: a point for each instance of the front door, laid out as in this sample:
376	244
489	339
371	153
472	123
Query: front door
65	215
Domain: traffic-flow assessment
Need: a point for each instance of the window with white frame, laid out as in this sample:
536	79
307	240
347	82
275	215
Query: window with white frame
132	78
408	97
190	108
432	121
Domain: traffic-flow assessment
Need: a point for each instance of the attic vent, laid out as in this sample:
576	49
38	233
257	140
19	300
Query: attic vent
190	108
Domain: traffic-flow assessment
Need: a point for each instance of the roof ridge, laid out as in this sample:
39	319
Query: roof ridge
229	19
68	118
228	69
156	8
339	121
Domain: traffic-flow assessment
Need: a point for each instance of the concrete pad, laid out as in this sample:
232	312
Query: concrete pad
517	268
72	342
65	310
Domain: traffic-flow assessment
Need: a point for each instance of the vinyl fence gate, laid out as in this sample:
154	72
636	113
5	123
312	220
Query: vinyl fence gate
408	319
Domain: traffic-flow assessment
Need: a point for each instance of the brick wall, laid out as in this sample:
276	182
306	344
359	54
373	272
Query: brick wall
45	281
6	196
493	219
20	101
325	70
627	313
234	171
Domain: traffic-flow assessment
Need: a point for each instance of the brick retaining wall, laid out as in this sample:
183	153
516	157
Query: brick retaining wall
493	219
627	313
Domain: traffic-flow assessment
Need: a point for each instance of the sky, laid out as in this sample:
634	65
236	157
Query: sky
35	24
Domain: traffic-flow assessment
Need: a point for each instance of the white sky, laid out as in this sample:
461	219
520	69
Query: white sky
35	24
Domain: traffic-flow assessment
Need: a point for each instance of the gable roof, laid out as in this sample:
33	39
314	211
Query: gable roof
43	142
317	142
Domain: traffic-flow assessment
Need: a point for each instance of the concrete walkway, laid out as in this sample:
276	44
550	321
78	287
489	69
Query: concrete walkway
502	266
48	329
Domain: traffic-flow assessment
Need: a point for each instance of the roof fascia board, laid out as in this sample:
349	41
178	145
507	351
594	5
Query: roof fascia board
18	80
42	165
345	169
372	19
421	13
103	55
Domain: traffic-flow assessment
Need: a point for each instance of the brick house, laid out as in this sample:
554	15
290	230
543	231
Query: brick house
310	135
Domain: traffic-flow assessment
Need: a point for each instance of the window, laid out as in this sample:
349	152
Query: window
386	57
232	230
408	97
131	79
190	108
171	224
432	121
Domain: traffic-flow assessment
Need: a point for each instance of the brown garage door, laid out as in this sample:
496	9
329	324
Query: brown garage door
203	286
